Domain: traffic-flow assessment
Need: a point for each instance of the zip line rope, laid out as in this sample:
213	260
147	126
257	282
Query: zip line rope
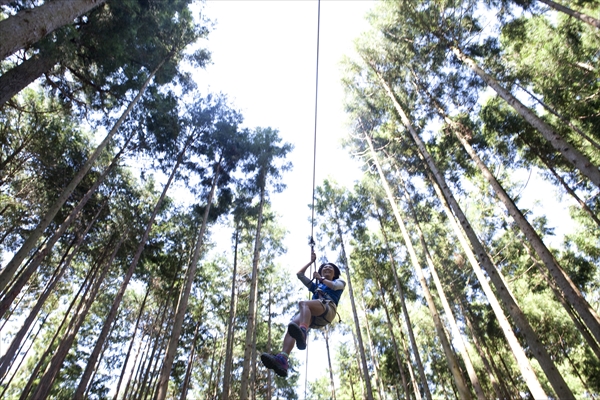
312	220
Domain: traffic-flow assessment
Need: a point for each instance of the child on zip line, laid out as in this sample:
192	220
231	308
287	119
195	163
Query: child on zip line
315	313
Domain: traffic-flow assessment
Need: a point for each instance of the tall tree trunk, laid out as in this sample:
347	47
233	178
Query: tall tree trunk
29	26
78	395
60	354
252	302
500	392
458	338
188	370
269	343
442	190
547	107
6	384
450	356
17	78
374	356
75	302
392	335
231	323
325	332
569	152
572	294
10	268
568	189
131	343
411	334
572	13
49	289
182	304
361	347
24	276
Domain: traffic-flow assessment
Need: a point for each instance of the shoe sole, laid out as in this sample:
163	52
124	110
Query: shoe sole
269	363
295	332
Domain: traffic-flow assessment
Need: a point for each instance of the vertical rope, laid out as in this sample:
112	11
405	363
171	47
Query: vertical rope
312	220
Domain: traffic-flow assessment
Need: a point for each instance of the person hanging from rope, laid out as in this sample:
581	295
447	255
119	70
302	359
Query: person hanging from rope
315	313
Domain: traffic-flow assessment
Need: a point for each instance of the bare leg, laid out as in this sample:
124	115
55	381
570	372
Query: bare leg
307	309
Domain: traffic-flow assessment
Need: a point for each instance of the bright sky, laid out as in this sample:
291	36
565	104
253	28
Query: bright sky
264	59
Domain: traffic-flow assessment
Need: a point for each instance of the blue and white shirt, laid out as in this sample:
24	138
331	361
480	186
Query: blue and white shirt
326	292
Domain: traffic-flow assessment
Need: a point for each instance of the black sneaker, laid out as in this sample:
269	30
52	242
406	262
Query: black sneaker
278	363
298	333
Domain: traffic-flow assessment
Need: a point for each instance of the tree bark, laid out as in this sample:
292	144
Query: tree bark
571	292
325	332
252	302
19	77
24	276
411	335
361	348
78	395
29	26
9	270
60	354
450	356
568	151
450	205
392	336
572	13
131	343
188	370
230	323
182	304
8	357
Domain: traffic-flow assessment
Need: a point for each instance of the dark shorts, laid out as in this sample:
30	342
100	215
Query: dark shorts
329	311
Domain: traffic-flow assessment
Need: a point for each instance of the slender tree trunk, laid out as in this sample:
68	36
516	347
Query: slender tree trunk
6	385
458	338
231	323
131	343
182	304
325	332
361	348
29	26
500	392
391	333
252	302
572	294
374	356
569	152
119	296
9	270
450	356
540	352
60	354
50	348
570	191
47	248
8	357
215	394
572	13
188	370
269	343
17	78
411	334
591	140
